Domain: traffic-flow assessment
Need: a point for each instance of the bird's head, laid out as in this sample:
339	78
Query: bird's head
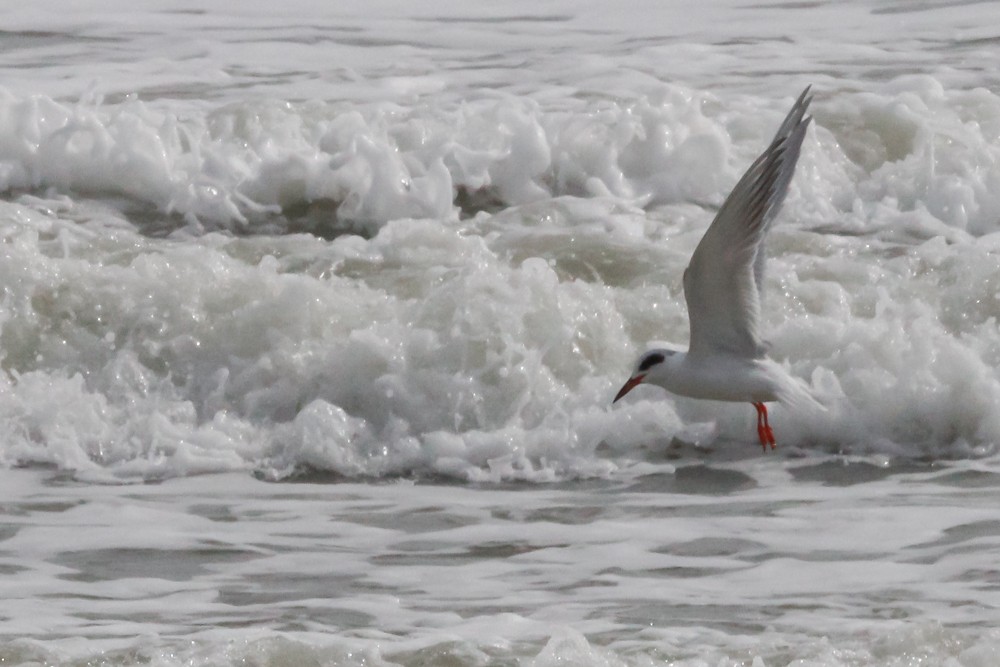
650	365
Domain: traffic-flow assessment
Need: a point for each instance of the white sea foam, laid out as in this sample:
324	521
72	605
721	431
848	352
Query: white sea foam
485	346
913	158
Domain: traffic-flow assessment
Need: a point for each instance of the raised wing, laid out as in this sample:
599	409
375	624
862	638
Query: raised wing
722	284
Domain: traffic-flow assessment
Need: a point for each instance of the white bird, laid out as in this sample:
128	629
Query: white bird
726	359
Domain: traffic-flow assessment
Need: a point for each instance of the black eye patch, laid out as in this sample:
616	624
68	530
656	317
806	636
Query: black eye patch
651	361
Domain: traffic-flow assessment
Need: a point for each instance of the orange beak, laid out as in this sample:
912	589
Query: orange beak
632	383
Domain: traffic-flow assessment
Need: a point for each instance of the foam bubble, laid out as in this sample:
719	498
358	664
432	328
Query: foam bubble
922	643
487	346
336	167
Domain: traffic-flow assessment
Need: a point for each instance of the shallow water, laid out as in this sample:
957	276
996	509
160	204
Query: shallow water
825	562
312	316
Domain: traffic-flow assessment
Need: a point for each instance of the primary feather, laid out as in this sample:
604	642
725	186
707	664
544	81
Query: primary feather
723	282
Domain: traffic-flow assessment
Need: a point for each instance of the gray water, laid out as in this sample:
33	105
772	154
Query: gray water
311	317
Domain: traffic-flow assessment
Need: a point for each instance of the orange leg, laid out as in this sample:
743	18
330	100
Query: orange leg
764	432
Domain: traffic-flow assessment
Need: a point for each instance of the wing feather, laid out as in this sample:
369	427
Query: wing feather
723	282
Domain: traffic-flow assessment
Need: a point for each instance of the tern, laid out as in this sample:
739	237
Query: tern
727	359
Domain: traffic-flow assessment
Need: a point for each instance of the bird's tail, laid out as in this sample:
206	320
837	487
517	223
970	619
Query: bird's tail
795	394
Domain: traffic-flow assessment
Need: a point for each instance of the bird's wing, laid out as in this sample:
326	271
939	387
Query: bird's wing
722	284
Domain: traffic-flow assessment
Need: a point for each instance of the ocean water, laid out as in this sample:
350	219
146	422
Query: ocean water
311	315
